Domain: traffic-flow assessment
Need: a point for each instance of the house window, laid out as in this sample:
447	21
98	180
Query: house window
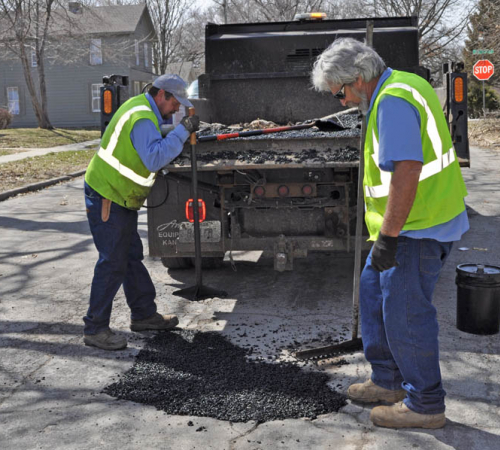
13	100
136	50
95	52
146	55
96	97
137	87
33	58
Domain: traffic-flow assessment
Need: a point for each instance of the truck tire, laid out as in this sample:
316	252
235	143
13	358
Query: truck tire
177	263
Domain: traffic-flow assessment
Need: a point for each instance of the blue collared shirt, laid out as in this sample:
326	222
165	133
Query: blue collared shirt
155	151
398	123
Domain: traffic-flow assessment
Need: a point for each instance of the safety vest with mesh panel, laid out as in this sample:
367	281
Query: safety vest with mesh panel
441	188
116	170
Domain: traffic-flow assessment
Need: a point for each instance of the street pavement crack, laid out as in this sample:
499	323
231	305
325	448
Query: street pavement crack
233	441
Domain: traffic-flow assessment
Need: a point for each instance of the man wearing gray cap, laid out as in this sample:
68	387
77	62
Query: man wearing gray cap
117	182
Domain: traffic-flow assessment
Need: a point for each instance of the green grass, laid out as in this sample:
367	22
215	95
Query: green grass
40	168
38	138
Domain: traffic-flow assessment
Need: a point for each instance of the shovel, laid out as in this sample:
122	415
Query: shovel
324	124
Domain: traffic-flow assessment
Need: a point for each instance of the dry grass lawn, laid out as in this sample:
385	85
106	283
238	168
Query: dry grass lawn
485	133
41	168
23	138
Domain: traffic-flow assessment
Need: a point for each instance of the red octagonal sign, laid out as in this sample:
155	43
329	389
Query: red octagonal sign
483	70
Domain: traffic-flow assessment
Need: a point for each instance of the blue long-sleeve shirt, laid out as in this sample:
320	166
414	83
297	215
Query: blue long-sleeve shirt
155	151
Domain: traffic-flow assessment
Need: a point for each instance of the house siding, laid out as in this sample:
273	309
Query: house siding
69	87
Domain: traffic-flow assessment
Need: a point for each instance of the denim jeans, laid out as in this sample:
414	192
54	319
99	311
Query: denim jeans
120	263
399	323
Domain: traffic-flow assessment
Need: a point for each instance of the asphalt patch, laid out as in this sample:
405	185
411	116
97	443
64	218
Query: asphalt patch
192	373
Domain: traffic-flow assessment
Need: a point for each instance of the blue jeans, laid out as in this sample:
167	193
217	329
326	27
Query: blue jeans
399	323
120	263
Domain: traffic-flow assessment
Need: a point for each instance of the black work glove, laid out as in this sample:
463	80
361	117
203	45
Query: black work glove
191	123
384	252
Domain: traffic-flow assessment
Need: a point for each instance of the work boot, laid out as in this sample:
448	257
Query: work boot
369	392
400	416
105	340
155	322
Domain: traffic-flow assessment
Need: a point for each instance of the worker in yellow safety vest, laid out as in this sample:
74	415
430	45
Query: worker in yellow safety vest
414	211
117	181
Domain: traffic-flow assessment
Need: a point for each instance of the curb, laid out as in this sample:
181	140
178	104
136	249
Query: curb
37	186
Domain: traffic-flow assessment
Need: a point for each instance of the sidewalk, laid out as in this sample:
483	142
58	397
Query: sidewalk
43	151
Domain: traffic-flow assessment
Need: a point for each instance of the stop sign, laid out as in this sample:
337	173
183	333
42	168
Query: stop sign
483	70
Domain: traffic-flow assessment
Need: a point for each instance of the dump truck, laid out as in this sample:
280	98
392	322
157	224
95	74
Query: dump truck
284	194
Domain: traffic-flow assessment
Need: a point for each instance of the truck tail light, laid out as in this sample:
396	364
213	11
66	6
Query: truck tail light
458	89
202	210
307	189
259	191
283	191
107	101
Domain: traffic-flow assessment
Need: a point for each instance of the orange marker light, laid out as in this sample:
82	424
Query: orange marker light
458	89
202	210
108	101
319	16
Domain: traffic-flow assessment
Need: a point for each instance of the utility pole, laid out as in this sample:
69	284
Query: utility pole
224	7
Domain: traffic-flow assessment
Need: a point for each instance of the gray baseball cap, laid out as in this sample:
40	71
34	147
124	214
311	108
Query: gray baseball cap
175	85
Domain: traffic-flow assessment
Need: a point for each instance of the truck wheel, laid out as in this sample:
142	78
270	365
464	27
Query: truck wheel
177	263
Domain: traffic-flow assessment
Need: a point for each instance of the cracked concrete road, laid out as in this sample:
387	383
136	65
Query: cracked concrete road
50	383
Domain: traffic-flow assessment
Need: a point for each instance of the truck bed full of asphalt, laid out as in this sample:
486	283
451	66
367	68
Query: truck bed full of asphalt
294	149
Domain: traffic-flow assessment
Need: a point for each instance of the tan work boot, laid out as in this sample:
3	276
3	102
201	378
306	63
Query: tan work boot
369	392
400	416
155	322
105	340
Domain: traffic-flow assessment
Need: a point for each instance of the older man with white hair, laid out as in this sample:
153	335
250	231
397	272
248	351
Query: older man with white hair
414	211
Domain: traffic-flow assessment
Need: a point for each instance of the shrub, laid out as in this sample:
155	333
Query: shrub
5	118
475	99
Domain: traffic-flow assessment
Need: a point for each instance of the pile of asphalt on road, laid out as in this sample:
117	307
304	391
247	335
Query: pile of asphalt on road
186	372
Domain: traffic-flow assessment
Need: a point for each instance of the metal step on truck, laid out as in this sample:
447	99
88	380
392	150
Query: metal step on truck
285	194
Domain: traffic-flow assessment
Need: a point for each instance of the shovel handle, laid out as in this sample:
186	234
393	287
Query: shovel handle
192	138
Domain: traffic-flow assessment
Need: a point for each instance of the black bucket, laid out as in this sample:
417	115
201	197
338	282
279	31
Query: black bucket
478	298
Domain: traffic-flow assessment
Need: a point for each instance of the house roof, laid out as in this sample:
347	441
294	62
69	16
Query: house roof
115	19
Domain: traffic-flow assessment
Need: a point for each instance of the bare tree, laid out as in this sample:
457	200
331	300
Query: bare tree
168	19
49	31
237	11
442	24
25	27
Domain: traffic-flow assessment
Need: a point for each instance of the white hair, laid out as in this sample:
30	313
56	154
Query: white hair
343	61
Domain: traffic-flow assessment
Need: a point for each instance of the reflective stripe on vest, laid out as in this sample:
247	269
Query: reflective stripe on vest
429	169
106	154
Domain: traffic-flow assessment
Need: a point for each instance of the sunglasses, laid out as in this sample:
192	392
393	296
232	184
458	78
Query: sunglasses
340	94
